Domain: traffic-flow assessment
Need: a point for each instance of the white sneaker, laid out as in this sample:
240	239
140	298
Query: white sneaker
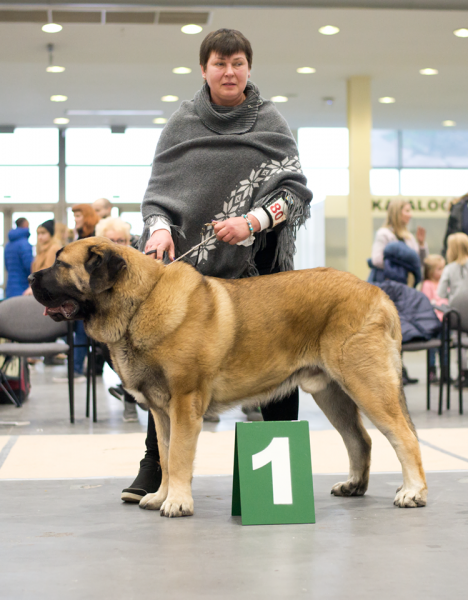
77	378
130	414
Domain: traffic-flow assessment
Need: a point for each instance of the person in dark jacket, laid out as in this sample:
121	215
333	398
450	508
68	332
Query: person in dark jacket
457	221
18	259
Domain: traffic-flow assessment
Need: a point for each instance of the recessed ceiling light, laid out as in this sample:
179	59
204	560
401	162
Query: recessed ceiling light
159	121
170	98
279	98
461	32
305	70
329	30
55	69
61	121
191	29
448	123
386	100
429	71
59	98
52	28
181	70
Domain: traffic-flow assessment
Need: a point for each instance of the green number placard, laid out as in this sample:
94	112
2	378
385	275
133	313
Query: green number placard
272	481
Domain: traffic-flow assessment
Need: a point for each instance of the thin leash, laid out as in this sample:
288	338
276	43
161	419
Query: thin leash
191	249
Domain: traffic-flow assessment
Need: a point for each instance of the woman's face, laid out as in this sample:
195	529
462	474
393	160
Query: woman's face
43	236
406	214
116	237
227	77
79	219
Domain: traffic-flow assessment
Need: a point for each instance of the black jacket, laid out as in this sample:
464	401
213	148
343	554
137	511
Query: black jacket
457	221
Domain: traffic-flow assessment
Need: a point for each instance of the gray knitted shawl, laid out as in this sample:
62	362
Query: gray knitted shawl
214	162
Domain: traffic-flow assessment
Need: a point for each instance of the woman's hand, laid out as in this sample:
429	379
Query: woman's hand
161	241
28	292
235	230
421	235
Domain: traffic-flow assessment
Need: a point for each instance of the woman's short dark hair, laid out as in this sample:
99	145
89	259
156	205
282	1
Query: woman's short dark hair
225	42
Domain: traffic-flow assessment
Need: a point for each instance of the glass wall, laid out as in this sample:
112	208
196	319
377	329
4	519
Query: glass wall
419	162
116	166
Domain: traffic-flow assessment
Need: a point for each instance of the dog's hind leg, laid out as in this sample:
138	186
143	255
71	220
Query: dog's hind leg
344	415
372	377
154	501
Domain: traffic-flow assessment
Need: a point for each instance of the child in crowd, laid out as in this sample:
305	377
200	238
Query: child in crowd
454	277
433	267
455	273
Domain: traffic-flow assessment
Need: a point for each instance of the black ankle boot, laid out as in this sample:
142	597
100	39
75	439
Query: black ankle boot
407	379
147	481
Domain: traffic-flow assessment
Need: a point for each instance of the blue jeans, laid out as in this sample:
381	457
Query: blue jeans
80	353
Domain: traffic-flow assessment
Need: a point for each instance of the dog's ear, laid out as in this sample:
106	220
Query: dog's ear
104	267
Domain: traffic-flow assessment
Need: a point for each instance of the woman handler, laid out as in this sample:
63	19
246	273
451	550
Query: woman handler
226	157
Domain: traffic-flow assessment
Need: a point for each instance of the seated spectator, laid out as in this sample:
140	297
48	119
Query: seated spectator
115	229
103	207
118	231
46	249
86	220
18	259
455	274
433	266
454	279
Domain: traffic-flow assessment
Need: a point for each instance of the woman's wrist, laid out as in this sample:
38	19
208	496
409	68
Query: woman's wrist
255	222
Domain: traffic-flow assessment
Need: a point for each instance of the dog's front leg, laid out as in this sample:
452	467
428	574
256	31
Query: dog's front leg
186	423
154	501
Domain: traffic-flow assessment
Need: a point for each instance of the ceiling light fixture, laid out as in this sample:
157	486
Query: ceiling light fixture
58	98
52	28
429	71
279	98
53	68
191	29
159	121
305	70
61	121
170	98
448	123
386	100
329	30
182	70
461	32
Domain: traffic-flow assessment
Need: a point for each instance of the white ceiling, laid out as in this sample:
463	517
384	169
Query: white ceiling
130	66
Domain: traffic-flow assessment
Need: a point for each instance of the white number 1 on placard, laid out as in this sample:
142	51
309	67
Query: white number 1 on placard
277	453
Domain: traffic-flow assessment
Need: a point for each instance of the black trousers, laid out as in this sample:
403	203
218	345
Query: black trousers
286	409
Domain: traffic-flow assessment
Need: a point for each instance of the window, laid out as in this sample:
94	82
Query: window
34	185
426	163
101	147
324	155
434	148
29	147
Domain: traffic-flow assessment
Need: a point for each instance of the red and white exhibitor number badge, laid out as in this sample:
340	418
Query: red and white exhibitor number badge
278	211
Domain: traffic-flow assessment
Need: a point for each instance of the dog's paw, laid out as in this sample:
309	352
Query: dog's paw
349	488
410	498
152	501
176	507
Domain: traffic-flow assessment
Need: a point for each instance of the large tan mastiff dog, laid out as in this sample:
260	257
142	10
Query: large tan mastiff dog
183	343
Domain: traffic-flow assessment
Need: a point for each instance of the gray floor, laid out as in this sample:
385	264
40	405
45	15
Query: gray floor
74	539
